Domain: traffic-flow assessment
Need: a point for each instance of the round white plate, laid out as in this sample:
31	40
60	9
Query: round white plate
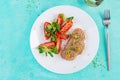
57	64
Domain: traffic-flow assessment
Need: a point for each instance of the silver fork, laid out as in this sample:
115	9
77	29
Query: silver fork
106	22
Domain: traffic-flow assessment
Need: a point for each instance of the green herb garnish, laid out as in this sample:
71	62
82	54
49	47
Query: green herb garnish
62	16
55	26
48	34
73	43
48	28
46	51
41	49
53	38
50	53
58	27
69	18
54	49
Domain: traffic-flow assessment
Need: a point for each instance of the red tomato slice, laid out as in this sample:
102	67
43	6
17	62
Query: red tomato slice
58	44
57	34
60	19
62	36
67	26
48	44
45	25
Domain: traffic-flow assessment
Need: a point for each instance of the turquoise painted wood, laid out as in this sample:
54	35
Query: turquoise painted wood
16	59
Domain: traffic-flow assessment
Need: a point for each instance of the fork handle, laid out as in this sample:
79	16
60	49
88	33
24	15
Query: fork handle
108	48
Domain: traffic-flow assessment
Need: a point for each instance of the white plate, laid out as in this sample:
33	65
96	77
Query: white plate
57	64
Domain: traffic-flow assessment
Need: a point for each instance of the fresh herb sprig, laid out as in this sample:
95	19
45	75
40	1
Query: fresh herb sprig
69	18
47	51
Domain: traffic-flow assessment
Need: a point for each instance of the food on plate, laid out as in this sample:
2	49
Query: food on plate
74	46
47	44
60	19
58	44
62	35
55	32
46	34
47	50
66	26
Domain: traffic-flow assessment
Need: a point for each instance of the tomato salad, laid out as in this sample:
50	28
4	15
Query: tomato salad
55	31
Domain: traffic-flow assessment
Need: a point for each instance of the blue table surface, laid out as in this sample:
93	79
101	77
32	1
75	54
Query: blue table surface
16	59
